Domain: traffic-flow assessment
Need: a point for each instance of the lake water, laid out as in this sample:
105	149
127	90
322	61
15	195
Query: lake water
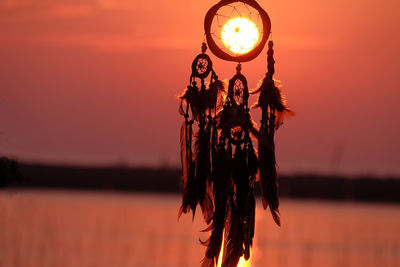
90	229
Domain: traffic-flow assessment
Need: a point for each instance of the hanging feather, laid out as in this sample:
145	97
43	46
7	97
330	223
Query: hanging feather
267	167
203	169
222	190
274	109
271	96
191	97
237	237
240	177
189	200
249	213
268	177
206	143
252	160
207	205
196	167
249	221
214	146
215	93
233	248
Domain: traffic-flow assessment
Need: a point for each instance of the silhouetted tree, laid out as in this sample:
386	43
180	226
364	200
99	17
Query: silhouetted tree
9	171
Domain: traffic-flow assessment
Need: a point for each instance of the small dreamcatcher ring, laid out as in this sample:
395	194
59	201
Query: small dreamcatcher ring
201	66
254	52
237	135
238	92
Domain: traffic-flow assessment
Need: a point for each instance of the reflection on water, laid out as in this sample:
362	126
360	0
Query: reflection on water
70	229
243	263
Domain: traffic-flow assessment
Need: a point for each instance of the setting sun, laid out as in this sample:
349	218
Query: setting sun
239	35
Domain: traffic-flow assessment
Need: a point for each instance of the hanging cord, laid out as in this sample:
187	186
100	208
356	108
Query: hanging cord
239	68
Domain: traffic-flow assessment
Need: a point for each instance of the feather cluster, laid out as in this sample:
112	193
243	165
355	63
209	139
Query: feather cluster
220	173
196	166
274	110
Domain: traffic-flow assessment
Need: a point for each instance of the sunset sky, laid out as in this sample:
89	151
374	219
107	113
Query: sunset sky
95	81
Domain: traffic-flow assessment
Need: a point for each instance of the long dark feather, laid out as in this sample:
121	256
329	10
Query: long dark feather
192	97
240	177
222	188
249	224
274	110
252	160
269	177
215	95
189	199
249	211
207	206
203	170
234	238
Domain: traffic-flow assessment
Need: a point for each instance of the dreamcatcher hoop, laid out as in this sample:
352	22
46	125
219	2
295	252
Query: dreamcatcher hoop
201	66
238	89
266	23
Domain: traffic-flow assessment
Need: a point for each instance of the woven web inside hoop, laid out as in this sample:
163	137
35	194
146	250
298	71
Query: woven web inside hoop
231	11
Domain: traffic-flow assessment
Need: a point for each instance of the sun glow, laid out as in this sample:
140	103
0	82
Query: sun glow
242	262
239	35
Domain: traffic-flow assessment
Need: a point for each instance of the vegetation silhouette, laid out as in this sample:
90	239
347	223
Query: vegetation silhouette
168	181
9	171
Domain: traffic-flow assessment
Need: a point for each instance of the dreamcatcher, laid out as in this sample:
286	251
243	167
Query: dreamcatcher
220	173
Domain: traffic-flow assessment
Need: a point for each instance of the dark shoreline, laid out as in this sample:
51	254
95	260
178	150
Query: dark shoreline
167	180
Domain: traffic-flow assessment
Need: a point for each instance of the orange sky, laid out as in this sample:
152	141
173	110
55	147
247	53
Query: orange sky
95	81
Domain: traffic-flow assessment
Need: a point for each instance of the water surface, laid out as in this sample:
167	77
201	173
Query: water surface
71	229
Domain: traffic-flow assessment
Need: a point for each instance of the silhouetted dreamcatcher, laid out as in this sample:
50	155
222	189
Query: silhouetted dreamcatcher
220	168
